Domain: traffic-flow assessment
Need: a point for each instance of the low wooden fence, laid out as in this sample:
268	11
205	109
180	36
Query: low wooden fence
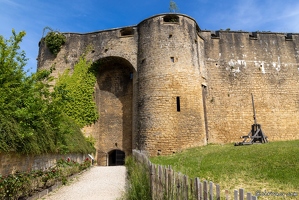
167	184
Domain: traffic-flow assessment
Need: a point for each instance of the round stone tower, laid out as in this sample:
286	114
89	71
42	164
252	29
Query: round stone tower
169	103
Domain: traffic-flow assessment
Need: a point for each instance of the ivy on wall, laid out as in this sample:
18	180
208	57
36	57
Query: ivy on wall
80	84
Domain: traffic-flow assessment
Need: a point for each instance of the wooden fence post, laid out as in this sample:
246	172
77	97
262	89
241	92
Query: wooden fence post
191	185
201	190
166	192
205	190
179	185
157	182
160	184
186	187
153	174
217	192
211	190
176	185
171	184
235	194
197	189
241	194
249	196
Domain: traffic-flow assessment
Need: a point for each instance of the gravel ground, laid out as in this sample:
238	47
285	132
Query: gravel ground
100	183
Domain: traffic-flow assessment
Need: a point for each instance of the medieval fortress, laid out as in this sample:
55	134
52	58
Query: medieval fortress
165	85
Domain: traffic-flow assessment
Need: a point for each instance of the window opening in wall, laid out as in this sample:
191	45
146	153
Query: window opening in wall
171	18
204	96
172	59
253	35
215	35
178	104
289	36
142	61
159	152
127	31
131	76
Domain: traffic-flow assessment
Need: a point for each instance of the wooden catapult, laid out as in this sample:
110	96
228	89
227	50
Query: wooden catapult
256	135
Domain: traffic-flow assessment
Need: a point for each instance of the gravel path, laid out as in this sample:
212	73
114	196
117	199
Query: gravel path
100	183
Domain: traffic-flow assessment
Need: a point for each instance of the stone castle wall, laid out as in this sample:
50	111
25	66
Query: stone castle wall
264	64
12	162
165	85
96	45
169	77
117	54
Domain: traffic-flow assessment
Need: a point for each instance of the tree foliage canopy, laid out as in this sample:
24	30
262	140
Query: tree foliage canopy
31	120
173	7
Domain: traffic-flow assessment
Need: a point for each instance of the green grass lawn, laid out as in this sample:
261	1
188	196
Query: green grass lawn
271	167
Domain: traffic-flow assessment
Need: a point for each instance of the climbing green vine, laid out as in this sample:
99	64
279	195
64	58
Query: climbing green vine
54	40
80	84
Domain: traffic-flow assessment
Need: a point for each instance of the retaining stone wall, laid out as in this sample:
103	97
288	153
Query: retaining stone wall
12	162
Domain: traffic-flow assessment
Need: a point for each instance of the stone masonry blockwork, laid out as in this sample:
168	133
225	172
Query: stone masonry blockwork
165	85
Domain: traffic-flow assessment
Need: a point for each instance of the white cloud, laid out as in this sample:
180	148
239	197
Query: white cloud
250	15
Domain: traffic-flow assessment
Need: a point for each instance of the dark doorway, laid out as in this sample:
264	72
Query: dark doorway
116	157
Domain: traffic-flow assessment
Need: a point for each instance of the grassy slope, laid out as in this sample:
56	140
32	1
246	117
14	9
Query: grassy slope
271	167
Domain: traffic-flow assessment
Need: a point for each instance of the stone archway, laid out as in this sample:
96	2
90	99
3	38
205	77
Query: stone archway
114	98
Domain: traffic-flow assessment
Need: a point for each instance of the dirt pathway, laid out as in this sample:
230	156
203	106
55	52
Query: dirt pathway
98	183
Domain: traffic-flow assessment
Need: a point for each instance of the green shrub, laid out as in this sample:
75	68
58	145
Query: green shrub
54	40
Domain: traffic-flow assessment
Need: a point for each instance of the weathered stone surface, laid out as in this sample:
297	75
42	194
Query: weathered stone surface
168	72
267	66
12	162
165	85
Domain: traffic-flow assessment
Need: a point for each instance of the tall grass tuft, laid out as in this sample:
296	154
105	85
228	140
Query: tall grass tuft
138	181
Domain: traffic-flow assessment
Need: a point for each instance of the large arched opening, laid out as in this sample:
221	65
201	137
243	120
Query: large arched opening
114	98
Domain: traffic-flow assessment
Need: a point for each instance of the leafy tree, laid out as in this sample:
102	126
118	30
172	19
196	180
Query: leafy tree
11	70
31	120
173	7
12	62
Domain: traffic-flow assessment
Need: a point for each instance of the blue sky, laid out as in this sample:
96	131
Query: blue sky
93	15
